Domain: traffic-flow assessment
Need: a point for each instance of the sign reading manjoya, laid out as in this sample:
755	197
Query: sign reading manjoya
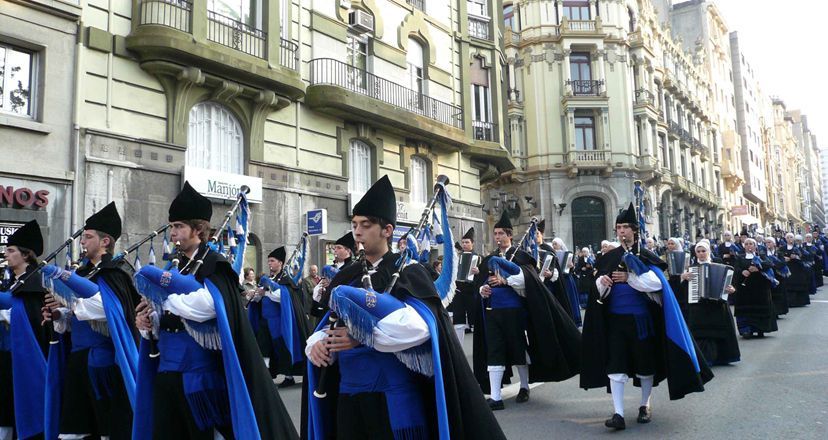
223	186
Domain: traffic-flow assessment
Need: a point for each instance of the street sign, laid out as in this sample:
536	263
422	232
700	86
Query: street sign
317	222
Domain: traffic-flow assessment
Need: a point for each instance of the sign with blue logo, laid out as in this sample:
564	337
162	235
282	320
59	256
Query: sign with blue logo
317	222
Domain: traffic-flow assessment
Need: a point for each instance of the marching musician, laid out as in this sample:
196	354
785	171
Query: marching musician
19	377
752	299
95	400
822	243
585	270
799	283
568	281
462	307
727	250
344	249
710	322
675	244
364	361
197	378
779	293
815	260
551	277
624	328
278	284
523	324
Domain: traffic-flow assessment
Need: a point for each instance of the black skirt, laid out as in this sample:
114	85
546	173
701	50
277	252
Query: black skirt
711	324
506	337
462	304
753	304
629	354
6	390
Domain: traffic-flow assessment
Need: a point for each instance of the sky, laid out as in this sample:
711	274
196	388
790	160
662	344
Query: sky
784	42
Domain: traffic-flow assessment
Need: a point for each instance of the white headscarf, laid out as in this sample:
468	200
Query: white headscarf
560	243
704	244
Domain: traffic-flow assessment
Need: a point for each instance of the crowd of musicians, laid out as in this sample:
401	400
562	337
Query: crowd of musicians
195	350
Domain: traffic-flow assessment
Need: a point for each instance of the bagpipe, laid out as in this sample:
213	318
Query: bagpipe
756	262
360	309
504	267
234	248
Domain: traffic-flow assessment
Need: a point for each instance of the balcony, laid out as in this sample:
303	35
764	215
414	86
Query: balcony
644	97
674	129
479	27
171	35
341	90
585	87
588	159
582	27
485	131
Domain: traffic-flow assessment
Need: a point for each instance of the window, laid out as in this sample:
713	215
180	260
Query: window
580	68
576	10
359	168
215	139
357	57
477	7
244	11
419	180
284	16
584	131
16	78
511	18
414	58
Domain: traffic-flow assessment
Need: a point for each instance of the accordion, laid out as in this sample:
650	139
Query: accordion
709	282
547	262
677	262
565	258
468	260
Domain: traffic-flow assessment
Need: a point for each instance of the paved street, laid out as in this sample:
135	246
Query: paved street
778	390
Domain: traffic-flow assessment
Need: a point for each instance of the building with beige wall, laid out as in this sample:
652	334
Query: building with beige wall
40	143
600	96
311	101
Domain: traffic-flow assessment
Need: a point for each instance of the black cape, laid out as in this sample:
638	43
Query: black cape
283	364
272	416
672	362
118	275
468	413
554	339
33	294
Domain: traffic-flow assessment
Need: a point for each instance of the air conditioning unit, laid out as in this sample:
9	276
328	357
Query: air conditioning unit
361	20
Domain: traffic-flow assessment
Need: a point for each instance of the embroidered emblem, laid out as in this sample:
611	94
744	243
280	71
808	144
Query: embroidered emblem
65	275
165	280
370	299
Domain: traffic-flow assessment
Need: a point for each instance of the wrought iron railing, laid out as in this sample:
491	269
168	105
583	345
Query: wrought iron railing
176	14
644	96
485	131
326	71
289	54
479	28
418	4
235	34
674	128
585	87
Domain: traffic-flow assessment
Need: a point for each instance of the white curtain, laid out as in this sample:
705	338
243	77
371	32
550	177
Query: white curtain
419	180
215	140
359	168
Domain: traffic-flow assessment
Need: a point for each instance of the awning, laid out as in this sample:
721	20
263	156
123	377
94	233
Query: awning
747	219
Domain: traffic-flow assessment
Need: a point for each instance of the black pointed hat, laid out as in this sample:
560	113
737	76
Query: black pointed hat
542	226
279	253
504	222
347	241
28	236
627	216
190	205
107	220
457	246
379	201
469	235
744	231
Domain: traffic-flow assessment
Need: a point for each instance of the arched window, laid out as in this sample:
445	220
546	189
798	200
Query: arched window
416	71
215	140
419	180
589	222
359	168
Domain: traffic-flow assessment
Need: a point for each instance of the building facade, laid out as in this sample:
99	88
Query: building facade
306	102
40	146
600	97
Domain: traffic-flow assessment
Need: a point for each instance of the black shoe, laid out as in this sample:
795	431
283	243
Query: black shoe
644	415
761	334
523	396
616	423
288	382
495	405
747	335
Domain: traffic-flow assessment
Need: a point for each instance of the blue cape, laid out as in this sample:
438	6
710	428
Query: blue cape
29	368
320	418
241	407
290	331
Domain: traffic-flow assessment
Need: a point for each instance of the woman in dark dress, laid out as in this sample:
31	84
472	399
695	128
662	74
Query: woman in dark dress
779	292
585	272
710	321
676	244
752	299
799	283
815	260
